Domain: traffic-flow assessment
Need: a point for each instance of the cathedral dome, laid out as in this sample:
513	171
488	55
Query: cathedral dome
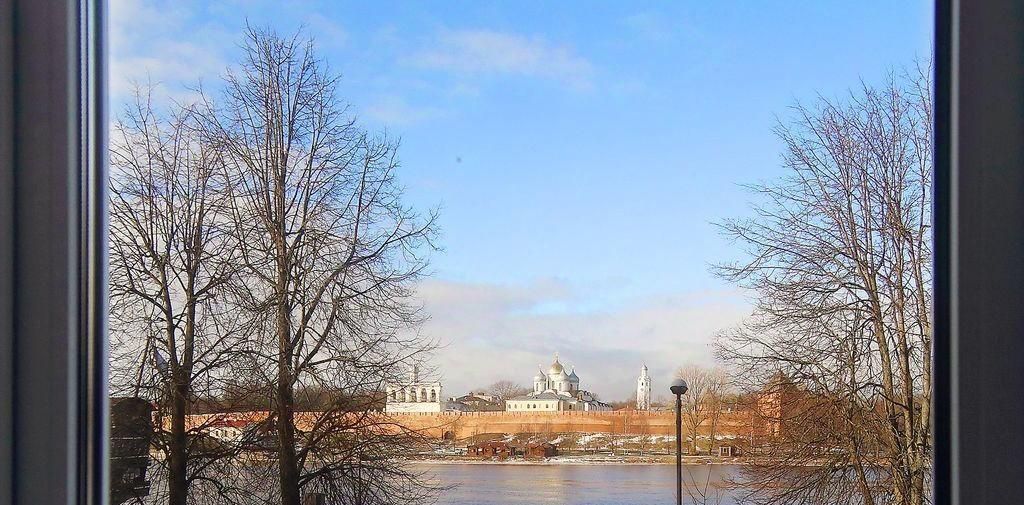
540	377
556	368
573	377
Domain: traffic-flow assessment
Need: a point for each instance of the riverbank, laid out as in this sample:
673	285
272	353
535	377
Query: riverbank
589	459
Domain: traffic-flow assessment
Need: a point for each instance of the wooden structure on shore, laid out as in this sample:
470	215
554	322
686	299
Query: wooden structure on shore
498	449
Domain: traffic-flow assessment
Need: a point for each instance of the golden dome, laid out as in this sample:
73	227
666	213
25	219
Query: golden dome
556	367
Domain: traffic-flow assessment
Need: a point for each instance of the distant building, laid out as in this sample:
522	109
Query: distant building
454	406
493	449
475	402
415	396
499	449
729	451
643	390
540	450
131	432
228	429
777	401
556	391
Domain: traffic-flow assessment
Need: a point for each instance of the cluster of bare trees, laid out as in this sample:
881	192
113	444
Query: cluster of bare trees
703	402
839	254
506	390
261	254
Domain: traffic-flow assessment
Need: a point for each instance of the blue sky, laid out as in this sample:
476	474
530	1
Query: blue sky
579	151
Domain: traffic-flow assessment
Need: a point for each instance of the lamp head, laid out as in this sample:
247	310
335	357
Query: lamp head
678	387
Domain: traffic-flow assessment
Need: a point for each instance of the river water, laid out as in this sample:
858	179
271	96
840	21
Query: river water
517	484
562	484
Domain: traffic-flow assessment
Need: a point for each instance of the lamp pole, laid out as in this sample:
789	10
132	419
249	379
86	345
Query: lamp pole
679	388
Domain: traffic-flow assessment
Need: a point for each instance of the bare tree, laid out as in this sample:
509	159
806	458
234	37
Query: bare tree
702	403
171	258
643	432
506	389
839	254
329	253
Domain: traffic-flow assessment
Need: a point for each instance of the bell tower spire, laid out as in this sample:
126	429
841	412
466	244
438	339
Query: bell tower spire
643	389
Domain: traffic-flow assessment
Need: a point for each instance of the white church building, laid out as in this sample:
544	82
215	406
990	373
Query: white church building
414	396
555	391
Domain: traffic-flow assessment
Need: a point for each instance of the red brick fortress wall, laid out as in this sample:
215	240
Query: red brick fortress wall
467	424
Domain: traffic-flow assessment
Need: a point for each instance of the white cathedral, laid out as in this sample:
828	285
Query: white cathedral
554	391
643	390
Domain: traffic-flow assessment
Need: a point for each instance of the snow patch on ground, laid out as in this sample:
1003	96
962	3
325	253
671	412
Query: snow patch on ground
590	437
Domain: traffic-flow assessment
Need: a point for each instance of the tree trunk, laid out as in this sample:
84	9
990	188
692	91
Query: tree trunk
176	454
287	460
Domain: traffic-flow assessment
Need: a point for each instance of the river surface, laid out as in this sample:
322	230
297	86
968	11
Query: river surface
494	484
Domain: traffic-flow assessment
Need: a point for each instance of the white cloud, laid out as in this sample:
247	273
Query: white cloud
393	110
162	45
327	32
491	52
177	66
657	27
497	332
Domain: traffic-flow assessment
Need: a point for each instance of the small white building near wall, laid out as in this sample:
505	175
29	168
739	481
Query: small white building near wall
541	402
415	396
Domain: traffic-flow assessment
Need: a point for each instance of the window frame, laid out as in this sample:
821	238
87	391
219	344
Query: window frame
53	273
978	343
53	387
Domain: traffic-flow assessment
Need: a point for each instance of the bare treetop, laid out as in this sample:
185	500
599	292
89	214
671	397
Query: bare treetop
838	253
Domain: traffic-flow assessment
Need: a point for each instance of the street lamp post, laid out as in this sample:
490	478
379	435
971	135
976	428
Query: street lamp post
679	388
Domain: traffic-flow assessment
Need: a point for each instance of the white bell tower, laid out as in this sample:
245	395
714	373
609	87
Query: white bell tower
643	390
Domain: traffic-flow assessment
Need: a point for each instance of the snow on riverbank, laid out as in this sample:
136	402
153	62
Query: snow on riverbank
583	460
